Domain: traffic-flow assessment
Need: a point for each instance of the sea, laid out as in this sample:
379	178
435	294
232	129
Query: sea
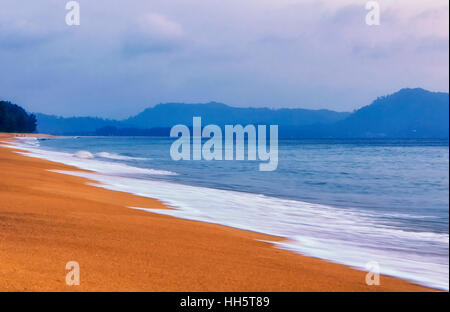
354	202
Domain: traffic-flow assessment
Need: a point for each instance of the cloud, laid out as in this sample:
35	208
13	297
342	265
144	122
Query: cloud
152	33
160	25
24	34
126	56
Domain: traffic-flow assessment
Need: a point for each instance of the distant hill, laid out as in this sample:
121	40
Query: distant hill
408	113
14	118
73	125
165	116
170	114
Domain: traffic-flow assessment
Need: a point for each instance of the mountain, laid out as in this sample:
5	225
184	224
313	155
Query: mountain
165	116
14	118
72	125
170	114
408	113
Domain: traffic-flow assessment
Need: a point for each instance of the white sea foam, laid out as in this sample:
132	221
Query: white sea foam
28	141
84	154
118	157
341	235
85	160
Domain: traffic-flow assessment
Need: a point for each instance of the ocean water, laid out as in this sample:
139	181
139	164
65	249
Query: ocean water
347	201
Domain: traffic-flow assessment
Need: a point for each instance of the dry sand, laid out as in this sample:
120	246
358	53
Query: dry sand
48	219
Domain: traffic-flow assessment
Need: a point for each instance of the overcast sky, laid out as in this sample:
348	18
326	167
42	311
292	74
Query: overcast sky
130	54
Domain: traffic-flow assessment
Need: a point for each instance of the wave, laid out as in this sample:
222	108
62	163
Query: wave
84	155
343	236
86	160
28	141
31	141
106	155
118	157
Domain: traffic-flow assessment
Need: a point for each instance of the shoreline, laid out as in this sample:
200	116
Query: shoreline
55	218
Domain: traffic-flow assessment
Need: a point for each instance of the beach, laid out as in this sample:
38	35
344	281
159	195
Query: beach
48	219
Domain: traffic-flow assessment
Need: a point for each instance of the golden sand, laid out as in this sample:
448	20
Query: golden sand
48	219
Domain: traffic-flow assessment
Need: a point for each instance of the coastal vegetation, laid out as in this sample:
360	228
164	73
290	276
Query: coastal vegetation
14	118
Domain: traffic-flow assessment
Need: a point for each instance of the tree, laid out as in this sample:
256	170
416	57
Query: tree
14	118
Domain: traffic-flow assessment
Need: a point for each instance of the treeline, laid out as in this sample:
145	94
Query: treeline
115	131
14	118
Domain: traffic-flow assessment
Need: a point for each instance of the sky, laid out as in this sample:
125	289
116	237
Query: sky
128	55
